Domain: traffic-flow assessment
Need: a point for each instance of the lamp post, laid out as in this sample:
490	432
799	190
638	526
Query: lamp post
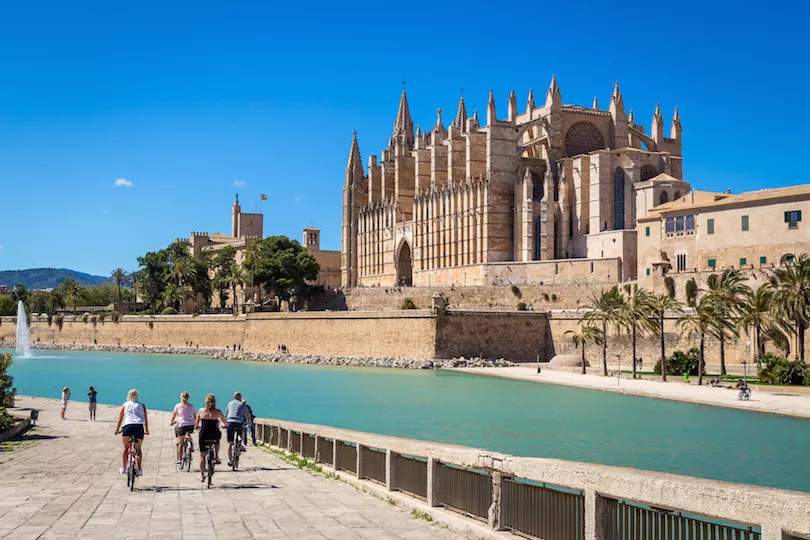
619	370
745	361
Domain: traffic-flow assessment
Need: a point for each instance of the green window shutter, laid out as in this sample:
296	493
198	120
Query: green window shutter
798	215
646	231
710	226
743	261
787	217
648	271
745	223
712	263
763	260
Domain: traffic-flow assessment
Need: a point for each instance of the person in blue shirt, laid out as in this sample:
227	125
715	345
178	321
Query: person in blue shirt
235	416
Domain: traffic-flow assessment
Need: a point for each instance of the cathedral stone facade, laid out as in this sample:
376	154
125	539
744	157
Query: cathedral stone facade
547	195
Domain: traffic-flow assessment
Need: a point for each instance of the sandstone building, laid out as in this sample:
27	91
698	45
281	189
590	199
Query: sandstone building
551	194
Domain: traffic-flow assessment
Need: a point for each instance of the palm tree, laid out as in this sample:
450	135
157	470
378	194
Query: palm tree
727	292
605	310
120	277
586	335
659	305
251	256
172	295
705	318
757	314
57	301
73	291
235	277
791	300
182	271
636	315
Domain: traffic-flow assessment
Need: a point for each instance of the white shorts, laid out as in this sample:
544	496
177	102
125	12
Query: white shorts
64	404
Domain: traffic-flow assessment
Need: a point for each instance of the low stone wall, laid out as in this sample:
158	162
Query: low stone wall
581	498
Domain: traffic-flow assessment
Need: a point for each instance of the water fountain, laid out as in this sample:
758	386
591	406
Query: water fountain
23	343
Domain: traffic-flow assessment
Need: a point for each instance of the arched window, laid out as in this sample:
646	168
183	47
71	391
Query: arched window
582	138
670	226
690	224
677	196
664	198
537	187
618	199
679	223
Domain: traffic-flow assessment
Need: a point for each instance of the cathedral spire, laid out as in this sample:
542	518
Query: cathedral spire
675	130
658	124
491	115
439	123
403	125
530	101
475	118
461	115
512	107
553	96
595	103
355	163
631	119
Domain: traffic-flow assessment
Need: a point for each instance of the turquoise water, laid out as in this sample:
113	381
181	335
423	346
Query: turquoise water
515	417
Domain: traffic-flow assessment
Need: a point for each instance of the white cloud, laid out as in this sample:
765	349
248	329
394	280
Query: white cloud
239	183
122	182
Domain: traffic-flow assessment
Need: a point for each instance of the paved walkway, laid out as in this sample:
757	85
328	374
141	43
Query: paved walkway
789	405
62	481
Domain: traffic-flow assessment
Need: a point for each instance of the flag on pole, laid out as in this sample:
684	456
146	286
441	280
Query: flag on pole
264	197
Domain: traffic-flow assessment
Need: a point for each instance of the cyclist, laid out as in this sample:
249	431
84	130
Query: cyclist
235	415
133	417
207	420
183	414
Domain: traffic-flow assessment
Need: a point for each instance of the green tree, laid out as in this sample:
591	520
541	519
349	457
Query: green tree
8	307
183	272
235	277
57	299
284	267
587	335
200	283
73	291
152	276
7	390
19	293
636	315
172	295
250	258
605	310
659	305
727	291
703	320
120	278
221	265
791	300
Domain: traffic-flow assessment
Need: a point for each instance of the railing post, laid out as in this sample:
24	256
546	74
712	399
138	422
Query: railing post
494	514
432	482
335	455
290	436
301	443
389	470
771	532
317	452
359	462
594	516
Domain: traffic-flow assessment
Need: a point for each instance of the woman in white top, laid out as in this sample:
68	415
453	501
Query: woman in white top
65	398
133	417
184	415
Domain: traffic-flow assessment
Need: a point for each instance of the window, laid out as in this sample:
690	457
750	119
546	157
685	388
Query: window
763	260
679	225
646	231
690	224
792	218
745	223
670	226
712	263
664	198
680	259
648	271
709	226
743	261
618	199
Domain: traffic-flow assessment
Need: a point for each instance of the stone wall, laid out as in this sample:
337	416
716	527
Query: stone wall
519	336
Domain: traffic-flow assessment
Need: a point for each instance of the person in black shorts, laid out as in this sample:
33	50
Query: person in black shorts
208	420
235	417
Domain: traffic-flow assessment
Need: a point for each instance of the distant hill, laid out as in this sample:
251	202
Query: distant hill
46	278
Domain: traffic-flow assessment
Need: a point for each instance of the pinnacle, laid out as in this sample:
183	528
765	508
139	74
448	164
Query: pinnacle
676	117
616	92
658	111
461	114
595	103
354	154
530	101
403	125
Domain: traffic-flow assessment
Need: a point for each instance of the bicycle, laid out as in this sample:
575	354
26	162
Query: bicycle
188	452
237	449
210	460
745	393
132	464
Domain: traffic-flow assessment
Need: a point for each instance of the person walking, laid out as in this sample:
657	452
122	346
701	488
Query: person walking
249	425
65	398
92	399
235	417
132	416
184	415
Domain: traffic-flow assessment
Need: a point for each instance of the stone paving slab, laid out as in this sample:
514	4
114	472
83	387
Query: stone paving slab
62	482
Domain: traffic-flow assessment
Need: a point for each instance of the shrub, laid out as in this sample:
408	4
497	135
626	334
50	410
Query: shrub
93	319
407	303
691	291
115	316
777	370
50	319
150	324
169	311
521	306
6	421
7	391
85	318
101	317
195	314
59	320
545	297
516	291
553	297
680	362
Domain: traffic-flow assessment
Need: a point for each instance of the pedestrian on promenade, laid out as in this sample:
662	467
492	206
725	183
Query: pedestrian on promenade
91	397
135	424
249	425
65	398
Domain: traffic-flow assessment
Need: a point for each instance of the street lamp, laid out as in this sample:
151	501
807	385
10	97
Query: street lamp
745	361
619	370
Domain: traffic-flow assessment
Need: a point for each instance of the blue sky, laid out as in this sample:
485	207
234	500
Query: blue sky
191	102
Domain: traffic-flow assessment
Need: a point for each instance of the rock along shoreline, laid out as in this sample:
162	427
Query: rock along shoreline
289	358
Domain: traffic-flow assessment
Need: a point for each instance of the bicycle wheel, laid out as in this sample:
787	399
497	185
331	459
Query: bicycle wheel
237	447
209	463
189	458
131	473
